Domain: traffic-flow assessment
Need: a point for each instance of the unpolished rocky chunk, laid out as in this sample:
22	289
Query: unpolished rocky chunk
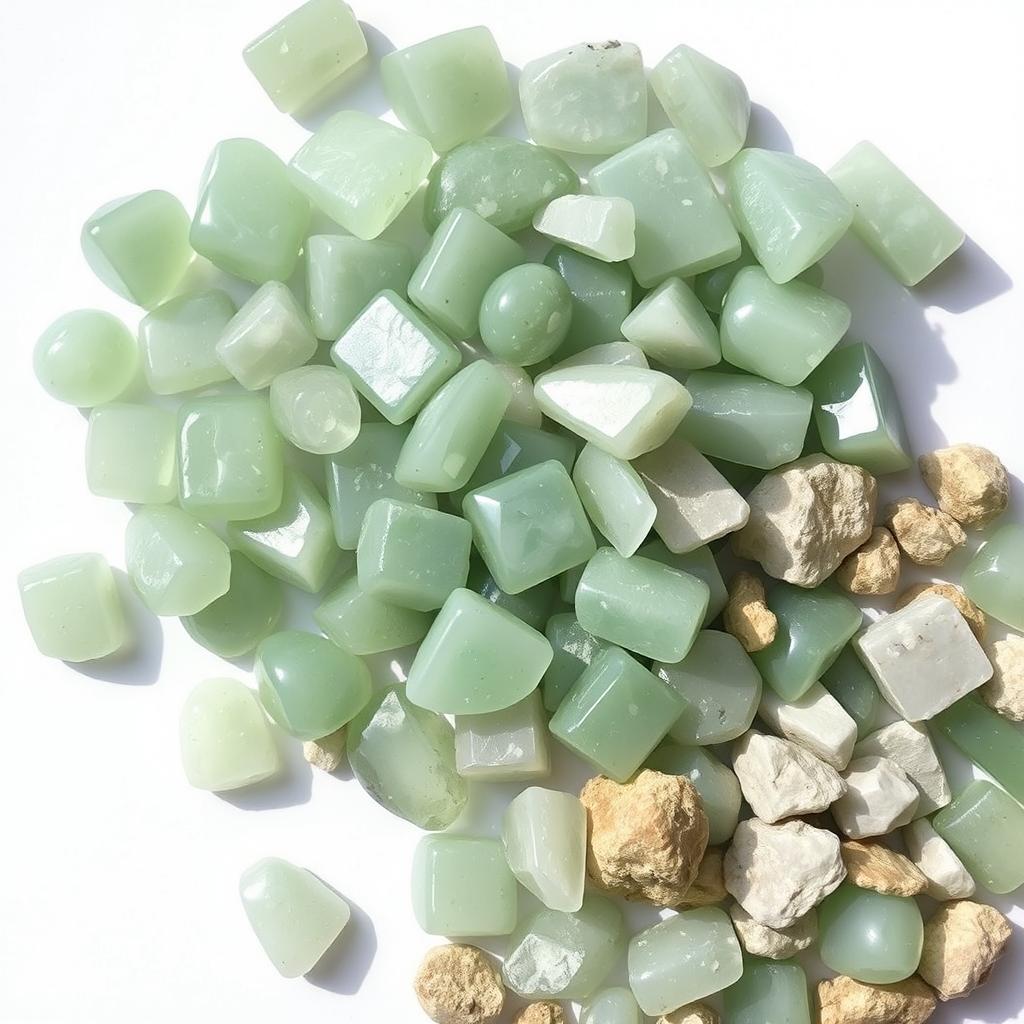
947	877
879	798
1004	692
845	1001
926	535
969	481
874	866
458	984
965	606
910	746
816	721
708	887
545	1012
326	753
774	943
961	943
747	615
874	568
691	1013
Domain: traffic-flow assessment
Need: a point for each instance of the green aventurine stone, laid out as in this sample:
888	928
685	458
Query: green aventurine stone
523	408
700	563
364	624
404	757
851	684
682	959
857	412
892	216
226	741
295	916
611	1006
316	409
574	649
504	180
682	226
558	955
869	936
670	325
600	226
131	453
813	627
789	212
779	331
178	565
230	457
770	992
615	498
746	420
994	579
476	658
504	746
250	219
72	607
615	714
85	358
138	246
533	606
339	168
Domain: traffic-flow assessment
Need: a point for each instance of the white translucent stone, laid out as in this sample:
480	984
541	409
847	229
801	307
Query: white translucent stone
600	226
672	326
614	498
879	797
816	721
911	747
948	879
504	746
611	353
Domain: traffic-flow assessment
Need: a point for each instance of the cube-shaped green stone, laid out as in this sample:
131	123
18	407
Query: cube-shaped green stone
573	649
994	579
131	453
700	563
504	746
770	990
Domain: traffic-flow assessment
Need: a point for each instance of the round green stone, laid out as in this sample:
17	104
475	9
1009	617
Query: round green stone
316	408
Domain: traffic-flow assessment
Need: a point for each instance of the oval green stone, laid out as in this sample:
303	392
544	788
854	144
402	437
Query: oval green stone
316	408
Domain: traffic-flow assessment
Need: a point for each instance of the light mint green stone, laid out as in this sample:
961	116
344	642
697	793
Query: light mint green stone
851	684
178	342
230	458
404	757
574	649
611	1006
720	688
395	357
131	453
642	605
465	256
523	408
250	219
869	936
72	607
779	331
615	714
339	170
138	246
85	358
788	210
316	409
684	958
476	658
343	274
770	992
364	624
682	226
611	353
670	325
178	565
994	579
813	628
600	226
533	606
558	955
615	498
295	916
589	98
713	285
504	746
700	563
746	420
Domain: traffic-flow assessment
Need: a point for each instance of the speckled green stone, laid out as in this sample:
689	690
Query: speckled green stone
131	453
994	579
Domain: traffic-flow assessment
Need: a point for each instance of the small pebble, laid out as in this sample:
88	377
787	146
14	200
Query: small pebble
1004	692
927	535
458	984
969	482
874	568
326	753
747	615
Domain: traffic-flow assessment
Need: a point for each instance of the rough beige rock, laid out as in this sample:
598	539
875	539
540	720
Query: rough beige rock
708	887
926	535
645	837
774	943
326	753
968	609
874	866
544	1012
691	1013
845	1001
1004	692
961	943
874	568
806	518
458	984
747	615
969	482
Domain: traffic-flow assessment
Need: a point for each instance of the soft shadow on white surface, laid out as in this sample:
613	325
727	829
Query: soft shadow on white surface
344	966
766	131
289	788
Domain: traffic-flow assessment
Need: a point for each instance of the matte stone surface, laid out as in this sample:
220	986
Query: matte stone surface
851	684
670	324
504	746
770	992
316	409
131	453
614	497
574	649
994	579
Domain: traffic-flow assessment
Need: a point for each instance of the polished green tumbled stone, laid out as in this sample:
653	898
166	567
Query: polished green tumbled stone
892	216
670	325
611	1006
994	579
138	246
131	453
178	565
615	498
574	649
851	684
813	627
364	624
600	226
504	746
85	358
533	606
770	992
523	408
788	210
72	607
711	286
744	419
700	563
230	457
857	411
316	409
339	168
404	757
682	226
504	180
779	331
870	936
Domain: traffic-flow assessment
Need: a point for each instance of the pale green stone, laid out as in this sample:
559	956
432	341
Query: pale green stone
306	52
611	353
364	624
533	606
72	607
131	453
315	408
600	226
574	649
851	684
615	498
178	565
993	579
682	959
712	286
788	210
226	742
589	98
476	658
672	326
700	563
682	226
504	746
611	1006
770	992
295	916
523	408
85	358
138	246
339	168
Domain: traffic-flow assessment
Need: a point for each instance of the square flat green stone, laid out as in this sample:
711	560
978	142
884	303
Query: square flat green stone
131	453
504	746
993	578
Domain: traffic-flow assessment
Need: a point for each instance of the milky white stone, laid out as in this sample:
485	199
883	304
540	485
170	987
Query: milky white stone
816	721
504	746
671	325
611	353
879	798
948	879
600	226
911	747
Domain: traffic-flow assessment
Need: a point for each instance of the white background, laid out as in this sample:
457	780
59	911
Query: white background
117	881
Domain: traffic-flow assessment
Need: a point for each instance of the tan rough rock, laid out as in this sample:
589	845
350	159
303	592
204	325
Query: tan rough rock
805	518
845	1001
326	753
968	609
458	984
544	1012
747	615
874	866
708	887
1004	692
961	943
926	535
692	1013
874	568
774	943
969	482
645	837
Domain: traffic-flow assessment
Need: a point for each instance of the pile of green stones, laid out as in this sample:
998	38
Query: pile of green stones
523	467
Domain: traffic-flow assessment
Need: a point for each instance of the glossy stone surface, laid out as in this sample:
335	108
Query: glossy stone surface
533	606
614	497
611	1006
670	324
994	579
770	992
315	408
851	684
131	453
523	408
574	649
611	353
700	563
504	746
600	226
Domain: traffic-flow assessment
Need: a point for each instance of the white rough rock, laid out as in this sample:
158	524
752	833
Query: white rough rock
600	226
879	798
910	746
816	721
948	879
774	943
778	873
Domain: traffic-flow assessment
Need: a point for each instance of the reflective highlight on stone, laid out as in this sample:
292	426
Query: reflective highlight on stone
994	579
574	649
504	746
131	453
316	409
